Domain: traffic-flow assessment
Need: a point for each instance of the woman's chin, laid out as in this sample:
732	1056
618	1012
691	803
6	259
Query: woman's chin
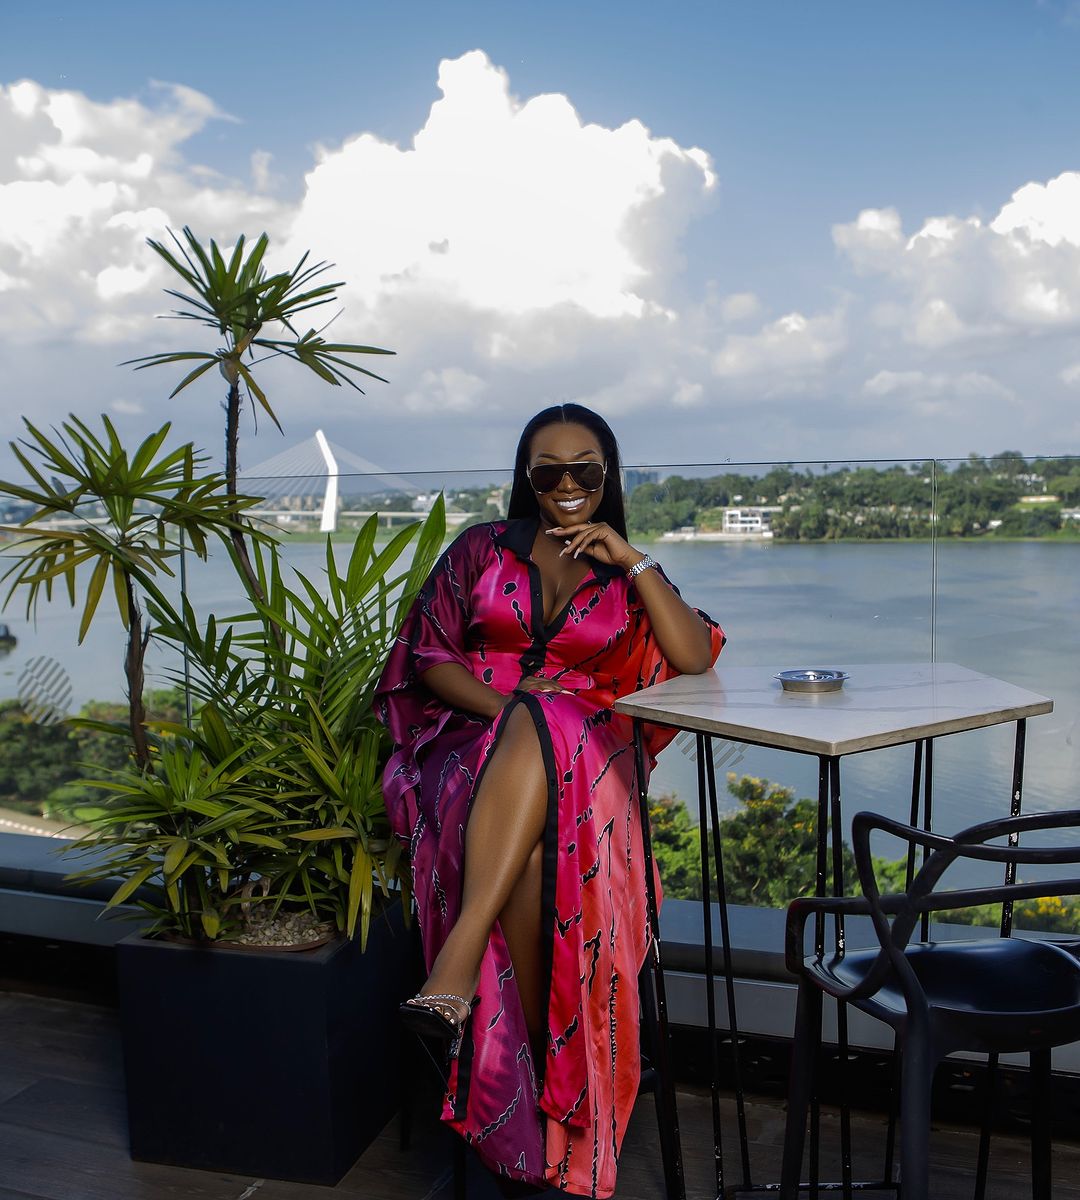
561	517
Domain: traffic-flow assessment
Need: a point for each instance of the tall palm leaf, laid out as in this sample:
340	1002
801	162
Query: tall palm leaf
239	299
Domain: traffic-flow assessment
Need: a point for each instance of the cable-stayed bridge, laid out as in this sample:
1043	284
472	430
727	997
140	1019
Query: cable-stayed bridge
307	479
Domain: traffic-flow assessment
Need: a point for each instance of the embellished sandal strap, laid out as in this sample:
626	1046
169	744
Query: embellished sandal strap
437	1002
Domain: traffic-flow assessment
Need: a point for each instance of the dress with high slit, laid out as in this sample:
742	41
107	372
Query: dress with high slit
559	1122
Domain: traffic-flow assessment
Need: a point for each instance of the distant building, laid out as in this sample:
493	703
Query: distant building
634	478
750	520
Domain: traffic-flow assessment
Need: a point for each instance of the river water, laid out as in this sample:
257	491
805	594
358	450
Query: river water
1006	609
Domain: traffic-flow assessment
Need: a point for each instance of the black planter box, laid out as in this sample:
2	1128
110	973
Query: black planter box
278	1064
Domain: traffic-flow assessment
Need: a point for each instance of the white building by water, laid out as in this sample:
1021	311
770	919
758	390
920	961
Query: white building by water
750	520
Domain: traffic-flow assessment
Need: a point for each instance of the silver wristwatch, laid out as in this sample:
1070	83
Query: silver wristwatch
647	562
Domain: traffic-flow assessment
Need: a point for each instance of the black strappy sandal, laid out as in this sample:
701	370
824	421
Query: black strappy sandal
431	1016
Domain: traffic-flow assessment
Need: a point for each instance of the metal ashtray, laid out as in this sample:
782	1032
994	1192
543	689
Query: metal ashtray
812	679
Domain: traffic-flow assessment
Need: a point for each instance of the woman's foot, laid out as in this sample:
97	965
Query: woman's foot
438	1014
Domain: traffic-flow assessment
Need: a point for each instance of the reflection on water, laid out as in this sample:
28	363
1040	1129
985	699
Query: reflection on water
1007	609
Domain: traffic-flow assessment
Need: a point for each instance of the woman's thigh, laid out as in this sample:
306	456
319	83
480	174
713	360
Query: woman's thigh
516	751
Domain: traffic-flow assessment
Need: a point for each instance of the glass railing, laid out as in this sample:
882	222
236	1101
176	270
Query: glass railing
804	564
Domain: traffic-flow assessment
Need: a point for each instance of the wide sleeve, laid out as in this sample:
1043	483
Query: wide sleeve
434	631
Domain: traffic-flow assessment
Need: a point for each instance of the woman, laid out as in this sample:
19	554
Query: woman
513	783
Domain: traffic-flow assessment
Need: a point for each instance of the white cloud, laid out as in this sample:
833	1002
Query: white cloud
964	395
962	280
262	178
502	204
82	185
963	384
1048	213
1071	375
792	344
872	240
740	306
449	390
127	408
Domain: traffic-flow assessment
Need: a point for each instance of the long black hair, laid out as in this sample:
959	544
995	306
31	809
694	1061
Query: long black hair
522	497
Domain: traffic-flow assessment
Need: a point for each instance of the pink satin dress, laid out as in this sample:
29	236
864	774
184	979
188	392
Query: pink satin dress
559	1122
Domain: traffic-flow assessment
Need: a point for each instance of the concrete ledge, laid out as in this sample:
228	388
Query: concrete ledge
36	899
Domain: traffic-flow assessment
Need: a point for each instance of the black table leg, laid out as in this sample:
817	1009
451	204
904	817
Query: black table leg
701	746
729	973
928	816
673	1175
841	1008
1015	805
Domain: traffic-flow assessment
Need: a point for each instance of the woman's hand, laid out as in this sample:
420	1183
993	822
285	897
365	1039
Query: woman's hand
598	539
534	683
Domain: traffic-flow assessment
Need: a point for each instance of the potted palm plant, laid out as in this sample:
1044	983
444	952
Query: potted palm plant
282	839
258	821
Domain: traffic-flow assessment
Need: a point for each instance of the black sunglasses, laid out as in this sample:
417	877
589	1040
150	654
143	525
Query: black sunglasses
546	477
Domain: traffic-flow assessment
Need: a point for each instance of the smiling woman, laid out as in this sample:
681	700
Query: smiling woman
514	786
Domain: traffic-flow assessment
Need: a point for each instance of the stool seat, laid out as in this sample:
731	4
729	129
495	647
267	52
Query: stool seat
1006	989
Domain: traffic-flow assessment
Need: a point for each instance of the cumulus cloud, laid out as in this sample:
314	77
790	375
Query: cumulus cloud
963	280
512	253
503	204
82	185
1047	213
793	344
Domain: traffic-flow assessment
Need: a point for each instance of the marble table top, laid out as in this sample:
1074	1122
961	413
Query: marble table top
882	704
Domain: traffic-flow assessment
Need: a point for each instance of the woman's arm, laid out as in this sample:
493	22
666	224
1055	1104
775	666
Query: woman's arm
682	635
460	688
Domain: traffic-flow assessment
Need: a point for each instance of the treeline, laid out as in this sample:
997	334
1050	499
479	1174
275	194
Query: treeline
43	767
770	857
978	497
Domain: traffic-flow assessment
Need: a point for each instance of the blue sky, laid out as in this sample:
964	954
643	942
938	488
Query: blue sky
808	114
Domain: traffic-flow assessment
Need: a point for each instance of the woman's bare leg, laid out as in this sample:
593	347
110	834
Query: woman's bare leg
506	824
520	922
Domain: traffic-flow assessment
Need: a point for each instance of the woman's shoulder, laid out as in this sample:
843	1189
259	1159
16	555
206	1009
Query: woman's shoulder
476	539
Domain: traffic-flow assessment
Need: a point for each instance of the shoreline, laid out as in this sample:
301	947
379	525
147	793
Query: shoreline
1069	539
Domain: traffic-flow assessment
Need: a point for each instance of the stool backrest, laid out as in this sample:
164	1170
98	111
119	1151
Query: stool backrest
895	915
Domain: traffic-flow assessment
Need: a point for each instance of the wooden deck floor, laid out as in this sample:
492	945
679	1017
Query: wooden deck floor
63	1134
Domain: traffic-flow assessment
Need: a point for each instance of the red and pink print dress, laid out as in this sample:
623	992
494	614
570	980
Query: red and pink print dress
559	1122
